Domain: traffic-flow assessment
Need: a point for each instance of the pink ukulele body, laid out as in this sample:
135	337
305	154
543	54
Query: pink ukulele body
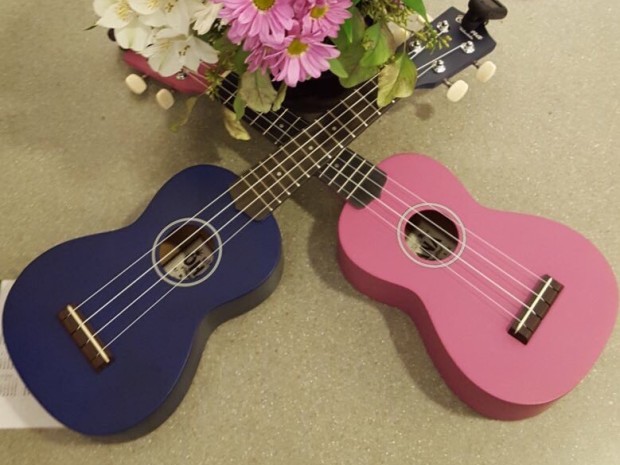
463	305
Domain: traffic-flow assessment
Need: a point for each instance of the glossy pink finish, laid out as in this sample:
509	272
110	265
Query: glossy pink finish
464	333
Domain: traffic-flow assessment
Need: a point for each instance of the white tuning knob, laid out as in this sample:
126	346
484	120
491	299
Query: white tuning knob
420	18
136	83
164	98
485	71
457	90
415	22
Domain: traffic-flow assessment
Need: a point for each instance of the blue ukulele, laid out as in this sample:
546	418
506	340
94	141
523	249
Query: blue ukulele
106	331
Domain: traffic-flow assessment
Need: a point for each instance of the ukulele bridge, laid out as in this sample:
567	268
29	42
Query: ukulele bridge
82	334
535	309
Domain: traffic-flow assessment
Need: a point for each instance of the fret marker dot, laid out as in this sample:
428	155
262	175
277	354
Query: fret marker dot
334	128
279	173
336	165
310	147
280	125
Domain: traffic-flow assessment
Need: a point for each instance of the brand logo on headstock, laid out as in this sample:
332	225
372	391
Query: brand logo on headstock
470	34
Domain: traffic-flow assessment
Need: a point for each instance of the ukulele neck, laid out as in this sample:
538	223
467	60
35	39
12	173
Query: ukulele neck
308	149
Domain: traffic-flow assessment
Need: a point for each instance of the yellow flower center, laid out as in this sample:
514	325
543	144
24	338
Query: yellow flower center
263	5
123	10
318	12
297	47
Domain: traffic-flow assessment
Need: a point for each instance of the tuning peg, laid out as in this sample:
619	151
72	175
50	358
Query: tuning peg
136	84
420	19
479	12
485	71
456	90
165	99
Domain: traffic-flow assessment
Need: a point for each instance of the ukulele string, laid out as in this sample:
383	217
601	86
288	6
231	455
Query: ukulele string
408	191
390	225
249	189
457	256
205	259
268	206
471	249
197	231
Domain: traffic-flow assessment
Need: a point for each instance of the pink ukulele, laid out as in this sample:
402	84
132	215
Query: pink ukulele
513	309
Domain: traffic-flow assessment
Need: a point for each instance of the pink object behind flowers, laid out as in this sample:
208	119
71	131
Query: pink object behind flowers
286	37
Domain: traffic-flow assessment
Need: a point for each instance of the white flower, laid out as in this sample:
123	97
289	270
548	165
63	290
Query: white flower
205	15
171	52
129	31
175	14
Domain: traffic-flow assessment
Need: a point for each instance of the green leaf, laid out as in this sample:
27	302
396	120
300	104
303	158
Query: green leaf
336	67
239	106
379	45
357	73
239	65
396	80
257	91
351	31
358	25
234	126
417	6
189	106
277	103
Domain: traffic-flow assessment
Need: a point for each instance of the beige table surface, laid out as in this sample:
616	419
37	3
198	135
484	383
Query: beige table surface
319	374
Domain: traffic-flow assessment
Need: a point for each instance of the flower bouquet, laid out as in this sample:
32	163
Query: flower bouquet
272	44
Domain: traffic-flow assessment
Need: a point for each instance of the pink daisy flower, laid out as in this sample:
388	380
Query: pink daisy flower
258	51
299	56
325	16
267	19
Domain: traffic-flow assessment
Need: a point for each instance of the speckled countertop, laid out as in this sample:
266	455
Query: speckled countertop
319	374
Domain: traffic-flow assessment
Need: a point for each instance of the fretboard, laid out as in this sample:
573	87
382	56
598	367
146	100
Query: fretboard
306	149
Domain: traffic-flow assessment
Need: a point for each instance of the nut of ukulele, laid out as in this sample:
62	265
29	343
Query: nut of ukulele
165	99
485	71
456	90
136	84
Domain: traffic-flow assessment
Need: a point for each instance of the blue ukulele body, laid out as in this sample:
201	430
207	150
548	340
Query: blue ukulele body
155	342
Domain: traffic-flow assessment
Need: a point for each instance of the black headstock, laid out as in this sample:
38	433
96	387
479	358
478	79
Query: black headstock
465	49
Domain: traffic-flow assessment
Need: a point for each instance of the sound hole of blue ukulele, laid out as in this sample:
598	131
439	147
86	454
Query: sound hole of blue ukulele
186	254
431	235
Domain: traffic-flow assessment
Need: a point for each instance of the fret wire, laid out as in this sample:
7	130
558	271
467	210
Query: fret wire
286	112
311	137
257	194
273	122
359	184
275	178
340	171
350	177
287	172
261	180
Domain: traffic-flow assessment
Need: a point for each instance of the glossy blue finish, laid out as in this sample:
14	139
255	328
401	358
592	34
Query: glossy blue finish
154	354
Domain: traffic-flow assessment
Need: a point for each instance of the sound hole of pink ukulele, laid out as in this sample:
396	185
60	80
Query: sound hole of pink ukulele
431	235
186	252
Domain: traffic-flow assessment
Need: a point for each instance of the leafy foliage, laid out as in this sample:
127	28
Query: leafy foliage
396	80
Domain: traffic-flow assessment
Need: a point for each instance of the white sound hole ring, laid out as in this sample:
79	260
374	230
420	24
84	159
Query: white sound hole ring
203	227
450	215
